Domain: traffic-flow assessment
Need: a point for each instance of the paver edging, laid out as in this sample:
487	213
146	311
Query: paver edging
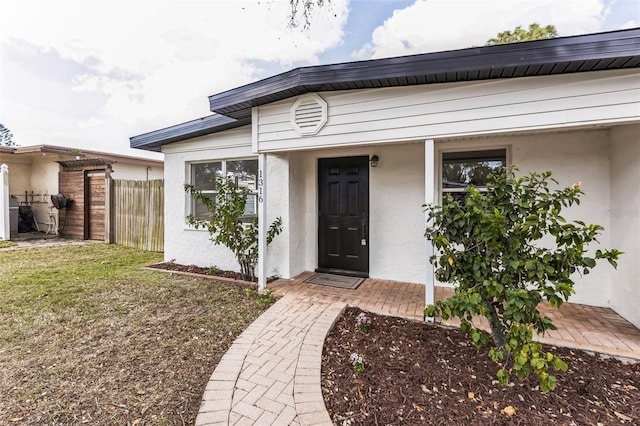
622	355
206	277
303	400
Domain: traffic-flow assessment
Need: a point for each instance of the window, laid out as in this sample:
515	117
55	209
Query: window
243	172
461	169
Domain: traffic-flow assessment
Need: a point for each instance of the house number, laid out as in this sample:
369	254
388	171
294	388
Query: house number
260	187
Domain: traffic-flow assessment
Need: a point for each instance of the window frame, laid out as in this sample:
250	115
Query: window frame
470	150
191	203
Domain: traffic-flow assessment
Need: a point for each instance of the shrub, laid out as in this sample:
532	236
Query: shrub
228	225
490	245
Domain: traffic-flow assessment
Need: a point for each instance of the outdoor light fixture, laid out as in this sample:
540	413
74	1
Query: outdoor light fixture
374	161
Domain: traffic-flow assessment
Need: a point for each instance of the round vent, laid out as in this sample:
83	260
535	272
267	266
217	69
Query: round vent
309	114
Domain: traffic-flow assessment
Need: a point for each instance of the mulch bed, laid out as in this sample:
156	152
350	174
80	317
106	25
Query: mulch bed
418	373
204	271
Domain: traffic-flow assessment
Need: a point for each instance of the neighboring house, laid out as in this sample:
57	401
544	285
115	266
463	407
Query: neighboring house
569	105
37	172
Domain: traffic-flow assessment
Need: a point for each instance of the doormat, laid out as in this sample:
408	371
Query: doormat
333	280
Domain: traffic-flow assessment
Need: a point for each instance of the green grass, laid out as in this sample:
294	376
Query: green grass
50	279
6	243
88	336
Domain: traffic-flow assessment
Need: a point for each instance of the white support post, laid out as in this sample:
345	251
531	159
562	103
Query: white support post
429	197
5	229
262	221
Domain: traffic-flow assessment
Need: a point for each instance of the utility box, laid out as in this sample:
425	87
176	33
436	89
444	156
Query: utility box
13	216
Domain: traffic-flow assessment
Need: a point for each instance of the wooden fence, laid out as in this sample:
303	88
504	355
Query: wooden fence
137	214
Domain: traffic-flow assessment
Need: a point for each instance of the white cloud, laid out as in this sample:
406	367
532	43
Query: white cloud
154	61
435	25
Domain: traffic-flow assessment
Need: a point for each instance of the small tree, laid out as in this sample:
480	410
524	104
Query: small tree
228	225
506	250
535	32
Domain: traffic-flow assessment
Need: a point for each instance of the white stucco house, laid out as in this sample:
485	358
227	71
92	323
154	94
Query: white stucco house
348	153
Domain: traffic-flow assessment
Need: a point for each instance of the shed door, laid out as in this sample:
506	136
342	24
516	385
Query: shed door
343	192
95	205
72	219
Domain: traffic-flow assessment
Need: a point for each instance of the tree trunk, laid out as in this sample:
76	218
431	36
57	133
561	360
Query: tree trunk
497	329
248	269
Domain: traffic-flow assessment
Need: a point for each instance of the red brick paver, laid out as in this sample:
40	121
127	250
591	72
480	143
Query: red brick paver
271	373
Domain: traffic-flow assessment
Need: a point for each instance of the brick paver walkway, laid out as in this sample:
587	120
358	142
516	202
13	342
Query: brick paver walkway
271	373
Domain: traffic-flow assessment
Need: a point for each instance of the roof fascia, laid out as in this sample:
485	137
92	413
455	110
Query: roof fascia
116	158
232	108
237	102
153	141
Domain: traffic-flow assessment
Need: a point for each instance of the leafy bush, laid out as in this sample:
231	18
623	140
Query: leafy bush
506	250
228	225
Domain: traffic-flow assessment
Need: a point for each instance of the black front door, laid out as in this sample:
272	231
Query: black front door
343	240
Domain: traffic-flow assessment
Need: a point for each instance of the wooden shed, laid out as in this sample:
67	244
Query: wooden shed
86	183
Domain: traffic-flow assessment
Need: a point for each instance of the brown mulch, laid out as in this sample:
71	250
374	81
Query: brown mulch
199	270
418	373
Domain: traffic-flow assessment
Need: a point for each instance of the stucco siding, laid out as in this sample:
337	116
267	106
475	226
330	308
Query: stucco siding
136	172
458	109
397	248
19	178
183	243
571	157
277	199
624	218
44	180
299	213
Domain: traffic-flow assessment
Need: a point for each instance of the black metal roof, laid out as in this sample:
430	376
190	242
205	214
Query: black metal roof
591	52
152	141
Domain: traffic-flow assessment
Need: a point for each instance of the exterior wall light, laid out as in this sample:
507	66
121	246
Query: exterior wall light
374	160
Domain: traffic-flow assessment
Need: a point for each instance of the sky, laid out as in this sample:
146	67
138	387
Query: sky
89	74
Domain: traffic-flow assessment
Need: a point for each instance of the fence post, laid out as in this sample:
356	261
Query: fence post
4	203
108	193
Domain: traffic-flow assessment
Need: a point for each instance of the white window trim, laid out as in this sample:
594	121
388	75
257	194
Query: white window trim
438	167
190	203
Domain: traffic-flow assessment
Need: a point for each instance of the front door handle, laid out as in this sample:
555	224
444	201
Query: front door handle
364	228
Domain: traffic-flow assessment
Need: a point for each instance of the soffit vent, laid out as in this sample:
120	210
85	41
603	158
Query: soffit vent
309	114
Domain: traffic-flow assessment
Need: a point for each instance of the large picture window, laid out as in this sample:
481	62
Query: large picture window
464	168
203	176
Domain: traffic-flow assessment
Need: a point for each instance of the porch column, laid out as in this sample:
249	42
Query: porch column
262	221
4	203
429	197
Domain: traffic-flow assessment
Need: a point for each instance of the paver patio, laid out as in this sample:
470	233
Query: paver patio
271	373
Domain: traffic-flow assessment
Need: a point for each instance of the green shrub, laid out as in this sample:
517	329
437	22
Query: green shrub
228	225
490	245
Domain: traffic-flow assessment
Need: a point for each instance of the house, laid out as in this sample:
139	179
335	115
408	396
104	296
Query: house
40	171
348	153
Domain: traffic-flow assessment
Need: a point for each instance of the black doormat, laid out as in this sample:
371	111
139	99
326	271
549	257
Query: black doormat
333	280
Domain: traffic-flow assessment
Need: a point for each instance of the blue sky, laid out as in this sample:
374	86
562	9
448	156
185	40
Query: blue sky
89	74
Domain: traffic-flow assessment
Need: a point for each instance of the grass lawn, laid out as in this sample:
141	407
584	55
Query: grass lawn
6	243
88	337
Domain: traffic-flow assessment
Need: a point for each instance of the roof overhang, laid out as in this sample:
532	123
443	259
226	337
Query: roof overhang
85	163
584	53
153	141
33	150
